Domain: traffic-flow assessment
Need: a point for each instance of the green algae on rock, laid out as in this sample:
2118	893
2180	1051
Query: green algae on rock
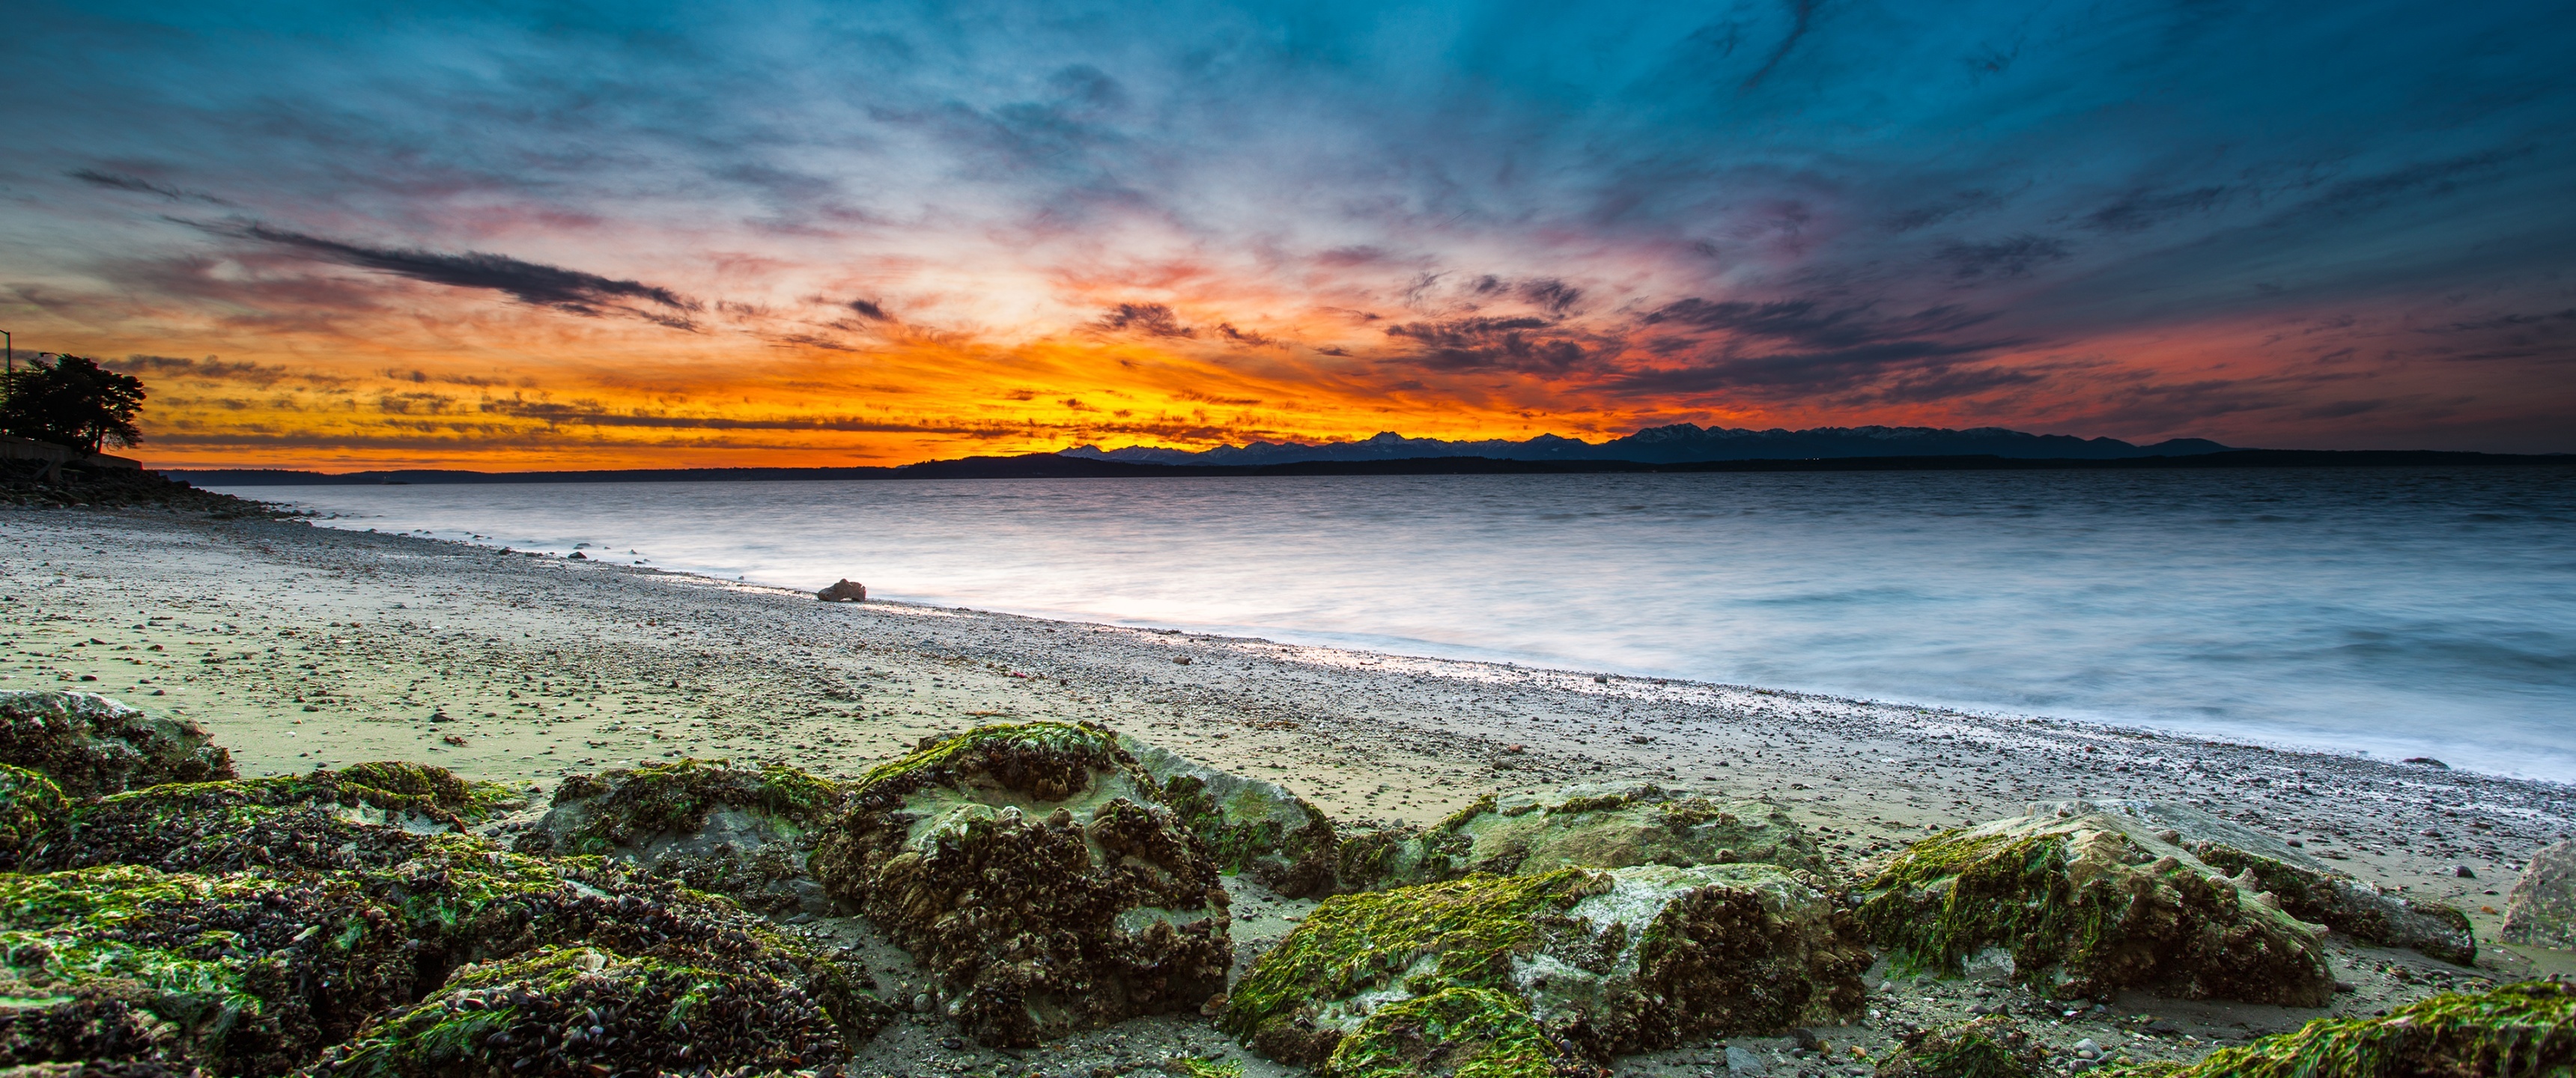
2087	904
1034	871
741	832
2512	1030
597	1011
1253	827
30	804
325	820
1588	826
243	974
2307	888
91	745
1603	962
1476	1032
1993	1046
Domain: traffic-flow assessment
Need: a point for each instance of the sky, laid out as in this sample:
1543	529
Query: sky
526	236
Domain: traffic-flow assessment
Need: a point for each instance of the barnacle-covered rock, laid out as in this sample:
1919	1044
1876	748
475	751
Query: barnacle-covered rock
366	814
91	745
1252	827
743	832
1589	964
1474	1031
589	1010
1994	1046
2527	1028
242	974
1037	875
29	804
2307	888
2087	904
1588	826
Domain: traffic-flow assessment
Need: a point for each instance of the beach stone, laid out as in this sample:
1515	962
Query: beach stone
1255	828
625	1015
2087	904
2540	911
1035	872
847	591
91	745
2526	1028
1582	826
2305	887
737	831
1548	973
1744	1064
1990	1047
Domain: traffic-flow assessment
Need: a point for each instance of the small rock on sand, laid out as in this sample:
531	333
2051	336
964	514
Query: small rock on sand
847	591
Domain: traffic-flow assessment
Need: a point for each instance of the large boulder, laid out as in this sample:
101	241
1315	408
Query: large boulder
2516	1029
588	1010
91	745
2308	888
1533	974
744	832
2088	904
2540	911
1587	826
1254	828
1036	873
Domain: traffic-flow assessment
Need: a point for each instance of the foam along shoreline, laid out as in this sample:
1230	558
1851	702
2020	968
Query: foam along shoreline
301	646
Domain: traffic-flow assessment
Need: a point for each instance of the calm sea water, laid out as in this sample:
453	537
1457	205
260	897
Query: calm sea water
2398	612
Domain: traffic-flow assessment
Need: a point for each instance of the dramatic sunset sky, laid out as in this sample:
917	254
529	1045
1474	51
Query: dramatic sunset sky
633	234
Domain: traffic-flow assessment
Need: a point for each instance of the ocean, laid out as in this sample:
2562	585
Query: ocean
2396	612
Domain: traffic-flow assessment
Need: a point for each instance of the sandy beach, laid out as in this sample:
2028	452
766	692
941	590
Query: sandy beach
298	646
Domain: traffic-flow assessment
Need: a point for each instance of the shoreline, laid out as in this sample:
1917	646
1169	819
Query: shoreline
545	667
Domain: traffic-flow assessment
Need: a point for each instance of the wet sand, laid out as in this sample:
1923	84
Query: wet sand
299	646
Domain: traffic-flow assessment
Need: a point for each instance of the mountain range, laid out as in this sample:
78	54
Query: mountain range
1682	443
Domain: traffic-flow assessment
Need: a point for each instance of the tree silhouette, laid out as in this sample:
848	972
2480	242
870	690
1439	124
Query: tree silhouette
71	401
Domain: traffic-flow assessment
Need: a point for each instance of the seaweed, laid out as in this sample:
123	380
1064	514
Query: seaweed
1993	1046
2512	1030
1461	1032
625	807
91	745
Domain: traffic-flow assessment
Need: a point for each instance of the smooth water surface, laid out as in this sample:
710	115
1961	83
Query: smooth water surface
2396	611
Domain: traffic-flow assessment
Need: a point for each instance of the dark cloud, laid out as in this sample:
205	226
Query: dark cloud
118	181
869	310
1811	324
2012	257
1962	204
2141	210
1801	13
1242	336
1551	294
1150	319
1490	344
533	283
1902	370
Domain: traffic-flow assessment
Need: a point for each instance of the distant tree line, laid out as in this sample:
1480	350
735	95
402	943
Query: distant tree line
71	401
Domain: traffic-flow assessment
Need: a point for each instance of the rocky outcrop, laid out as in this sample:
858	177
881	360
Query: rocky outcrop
2527	1028
2087	904
847	591
743	832
1592	826
364	815
1035	872
91	745
2540	911
1535	974
1252	827
591	1010
2307	888
1994	1046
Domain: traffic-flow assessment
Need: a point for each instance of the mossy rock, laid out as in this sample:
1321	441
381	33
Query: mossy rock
1603	962
742	832
91	745
1476	1032
2307	888
1994	1046
241	974
366	814
2512	1030
30	804
1034	871
588	1010
1254	828
2086	905
1589	826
